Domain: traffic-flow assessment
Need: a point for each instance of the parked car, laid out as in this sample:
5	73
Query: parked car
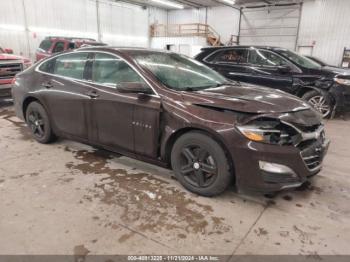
168	109
326	88
56	44
10	65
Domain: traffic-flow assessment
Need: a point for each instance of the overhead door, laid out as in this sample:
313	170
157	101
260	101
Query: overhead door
271	26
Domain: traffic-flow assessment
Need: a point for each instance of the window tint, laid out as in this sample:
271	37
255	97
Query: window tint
59	47
71	45
111	70
45	45
265	58
71	65
48	67
236	56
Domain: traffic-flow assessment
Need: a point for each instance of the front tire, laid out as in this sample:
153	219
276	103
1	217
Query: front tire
39	123
320	102
200	164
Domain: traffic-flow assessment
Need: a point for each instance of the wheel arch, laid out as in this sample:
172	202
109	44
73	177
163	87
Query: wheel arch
180	132
26	103
303	90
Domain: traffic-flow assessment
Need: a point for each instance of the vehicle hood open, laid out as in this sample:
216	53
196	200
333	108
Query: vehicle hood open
246	98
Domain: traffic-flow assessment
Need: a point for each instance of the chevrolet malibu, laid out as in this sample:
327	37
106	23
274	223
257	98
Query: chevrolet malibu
170	110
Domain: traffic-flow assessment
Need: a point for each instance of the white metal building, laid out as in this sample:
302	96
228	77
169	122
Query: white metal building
317	27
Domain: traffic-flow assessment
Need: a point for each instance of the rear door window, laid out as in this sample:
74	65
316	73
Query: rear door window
234	56
48	66
71	65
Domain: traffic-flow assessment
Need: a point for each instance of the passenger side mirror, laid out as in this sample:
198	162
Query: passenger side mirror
8	51
133	87
284	69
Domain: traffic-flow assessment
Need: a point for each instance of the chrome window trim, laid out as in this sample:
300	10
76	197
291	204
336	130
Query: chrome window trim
293	66
91	82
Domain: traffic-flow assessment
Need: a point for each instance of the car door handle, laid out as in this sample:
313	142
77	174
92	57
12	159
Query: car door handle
92	94
47	84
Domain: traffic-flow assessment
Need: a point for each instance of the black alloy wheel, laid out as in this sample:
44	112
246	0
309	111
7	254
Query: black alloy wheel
36	124
201	164
39	123
197	166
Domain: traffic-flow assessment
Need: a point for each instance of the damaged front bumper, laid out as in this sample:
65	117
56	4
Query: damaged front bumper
266	167
284	167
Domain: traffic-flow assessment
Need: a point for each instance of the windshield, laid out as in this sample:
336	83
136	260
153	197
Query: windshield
299	60
317	60
1	50
180	72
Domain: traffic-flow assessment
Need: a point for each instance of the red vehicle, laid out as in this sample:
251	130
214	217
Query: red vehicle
10	65
56	44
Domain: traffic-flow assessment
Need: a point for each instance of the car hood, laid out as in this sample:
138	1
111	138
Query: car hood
10	57
246	98
337	70
331	71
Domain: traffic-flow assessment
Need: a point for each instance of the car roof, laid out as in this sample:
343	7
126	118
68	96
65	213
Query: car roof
126	50
69	38
275	48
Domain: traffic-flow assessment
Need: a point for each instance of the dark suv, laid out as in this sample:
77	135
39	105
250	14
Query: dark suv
326	88
57	44
168	109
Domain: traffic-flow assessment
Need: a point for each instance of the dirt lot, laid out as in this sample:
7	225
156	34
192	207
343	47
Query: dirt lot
67	197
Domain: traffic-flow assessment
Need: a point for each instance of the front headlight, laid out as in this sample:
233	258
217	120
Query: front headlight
342	81
268	131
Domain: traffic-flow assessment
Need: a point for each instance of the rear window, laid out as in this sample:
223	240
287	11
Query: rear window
48	66
45	45
71	65
235	56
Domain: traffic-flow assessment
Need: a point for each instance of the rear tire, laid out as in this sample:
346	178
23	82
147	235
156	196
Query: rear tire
39	123
200	164
320	102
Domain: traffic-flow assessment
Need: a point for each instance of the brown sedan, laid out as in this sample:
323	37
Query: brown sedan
171	110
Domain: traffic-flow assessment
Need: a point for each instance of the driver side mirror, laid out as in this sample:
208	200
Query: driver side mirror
284	69
133	87
8	51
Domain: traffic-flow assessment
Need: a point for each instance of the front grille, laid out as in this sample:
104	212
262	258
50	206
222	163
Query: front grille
313	161
313	154
9	70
